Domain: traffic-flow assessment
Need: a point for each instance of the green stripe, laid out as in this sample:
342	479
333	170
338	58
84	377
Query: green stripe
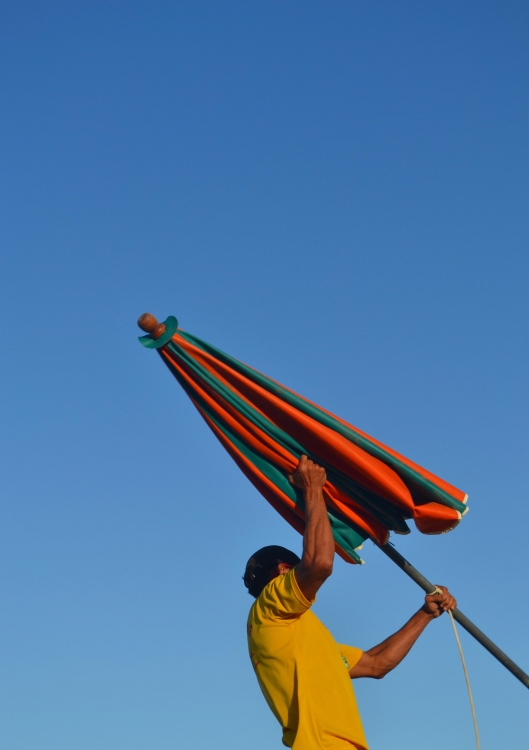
265	424
344	534
384	511
415	482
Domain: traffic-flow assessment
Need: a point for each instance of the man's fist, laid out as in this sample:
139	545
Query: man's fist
436	604
308	475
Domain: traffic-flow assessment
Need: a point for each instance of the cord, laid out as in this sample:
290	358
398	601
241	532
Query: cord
438	591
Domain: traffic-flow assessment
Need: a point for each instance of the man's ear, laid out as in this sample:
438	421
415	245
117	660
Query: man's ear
284	568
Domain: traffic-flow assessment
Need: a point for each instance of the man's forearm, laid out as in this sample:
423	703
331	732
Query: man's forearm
318	542
392	651
381	659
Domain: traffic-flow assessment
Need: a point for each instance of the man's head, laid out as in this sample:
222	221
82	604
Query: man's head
264	565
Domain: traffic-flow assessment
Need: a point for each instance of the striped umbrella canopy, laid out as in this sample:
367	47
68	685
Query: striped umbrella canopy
265	427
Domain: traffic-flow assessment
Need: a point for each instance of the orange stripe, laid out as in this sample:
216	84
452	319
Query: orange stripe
207	361
317	438
277	499
243	427
432	518
440	516
349	508
264	445
446	486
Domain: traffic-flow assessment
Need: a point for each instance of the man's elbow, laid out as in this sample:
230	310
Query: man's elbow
377	667
322	569
381	670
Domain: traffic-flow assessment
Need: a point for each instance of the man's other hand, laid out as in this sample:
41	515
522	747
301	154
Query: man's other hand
308	475
436	604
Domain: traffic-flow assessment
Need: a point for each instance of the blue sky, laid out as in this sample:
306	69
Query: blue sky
334	193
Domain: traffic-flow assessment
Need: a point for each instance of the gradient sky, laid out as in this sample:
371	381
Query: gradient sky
335	193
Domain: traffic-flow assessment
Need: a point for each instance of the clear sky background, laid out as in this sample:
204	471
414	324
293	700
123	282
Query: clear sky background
335	193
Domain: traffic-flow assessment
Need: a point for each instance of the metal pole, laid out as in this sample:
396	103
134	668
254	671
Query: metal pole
423	582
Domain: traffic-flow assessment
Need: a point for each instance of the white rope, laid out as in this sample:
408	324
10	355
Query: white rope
466	678
438	591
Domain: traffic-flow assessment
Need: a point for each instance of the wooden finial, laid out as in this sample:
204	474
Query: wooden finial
149	324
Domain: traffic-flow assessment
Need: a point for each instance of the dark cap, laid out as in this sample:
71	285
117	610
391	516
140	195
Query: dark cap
261	565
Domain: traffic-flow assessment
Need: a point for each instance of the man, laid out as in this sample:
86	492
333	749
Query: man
304	674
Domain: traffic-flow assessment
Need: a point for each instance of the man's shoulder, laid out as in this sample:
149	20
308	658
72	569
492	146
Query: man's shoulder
280	601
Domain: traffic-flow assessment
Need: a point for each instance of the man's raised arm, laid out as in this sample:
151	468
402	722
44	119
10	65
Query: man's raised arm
318	543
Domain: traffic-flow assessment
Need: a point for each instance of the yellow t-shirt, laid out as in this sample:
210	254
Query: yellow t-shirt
302	671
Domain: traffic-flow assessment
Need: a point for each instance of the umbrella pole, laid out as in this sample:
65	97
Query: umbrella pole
421	581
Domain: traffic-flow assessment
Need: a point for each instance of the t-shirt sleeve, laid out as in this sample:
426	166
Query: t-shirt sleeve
282	599
350	654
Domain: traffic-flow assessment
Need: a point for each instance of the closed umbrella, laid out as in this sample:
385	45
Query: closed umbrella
371	490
